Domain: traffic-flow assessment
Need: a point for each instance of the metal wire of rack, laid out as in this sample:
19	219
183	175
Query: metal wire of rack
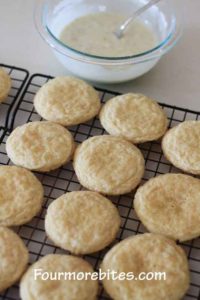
64	179
19	77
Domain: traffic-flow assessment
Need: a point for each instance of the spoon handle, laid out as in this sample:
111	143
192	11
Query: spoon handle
125	24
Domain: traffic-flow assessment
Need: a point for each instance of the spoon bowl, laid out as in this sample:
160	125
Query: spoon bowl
122	28
51	16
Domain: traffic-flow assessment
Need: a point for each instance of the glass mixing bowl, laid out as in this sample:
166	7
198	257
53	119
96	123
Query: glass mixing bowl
51	16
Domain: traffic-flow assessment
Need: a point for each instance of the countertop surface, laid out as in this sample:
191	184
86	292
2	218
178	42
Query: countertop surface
175	80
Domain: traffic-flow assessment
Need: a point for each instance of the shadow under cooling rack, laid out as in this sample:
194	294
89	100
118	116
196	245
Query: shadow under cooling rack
64	179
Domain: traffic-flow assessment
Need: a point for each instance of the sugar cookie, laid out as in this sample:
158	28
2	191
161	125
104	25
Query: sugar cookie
41	146
181	146
5	84
169	204
67	101
134	117
109	165
13	258
21	196
82	222
33	287
143	255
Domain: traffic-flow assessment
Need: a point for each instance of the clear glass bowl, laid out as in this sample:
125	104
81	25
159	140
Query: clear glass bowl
51	16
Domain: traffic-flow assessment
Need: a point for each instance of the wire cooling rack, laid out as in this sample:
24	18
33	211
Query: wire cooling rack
62	180
18	77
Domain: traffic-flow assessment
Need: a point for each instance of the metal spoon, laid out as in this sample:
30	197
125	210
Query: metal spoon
120	31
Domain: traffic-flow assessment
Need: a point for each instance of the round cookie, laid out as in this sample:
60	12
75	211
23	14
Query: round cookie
21	196
142	255
85	222
181	146
109	165
169	204
13	258
134	117
5	84
67	101
41	146
33	287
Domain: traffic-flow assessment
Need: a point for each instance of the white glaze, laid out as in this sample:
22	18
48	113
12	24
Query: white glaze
93	34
